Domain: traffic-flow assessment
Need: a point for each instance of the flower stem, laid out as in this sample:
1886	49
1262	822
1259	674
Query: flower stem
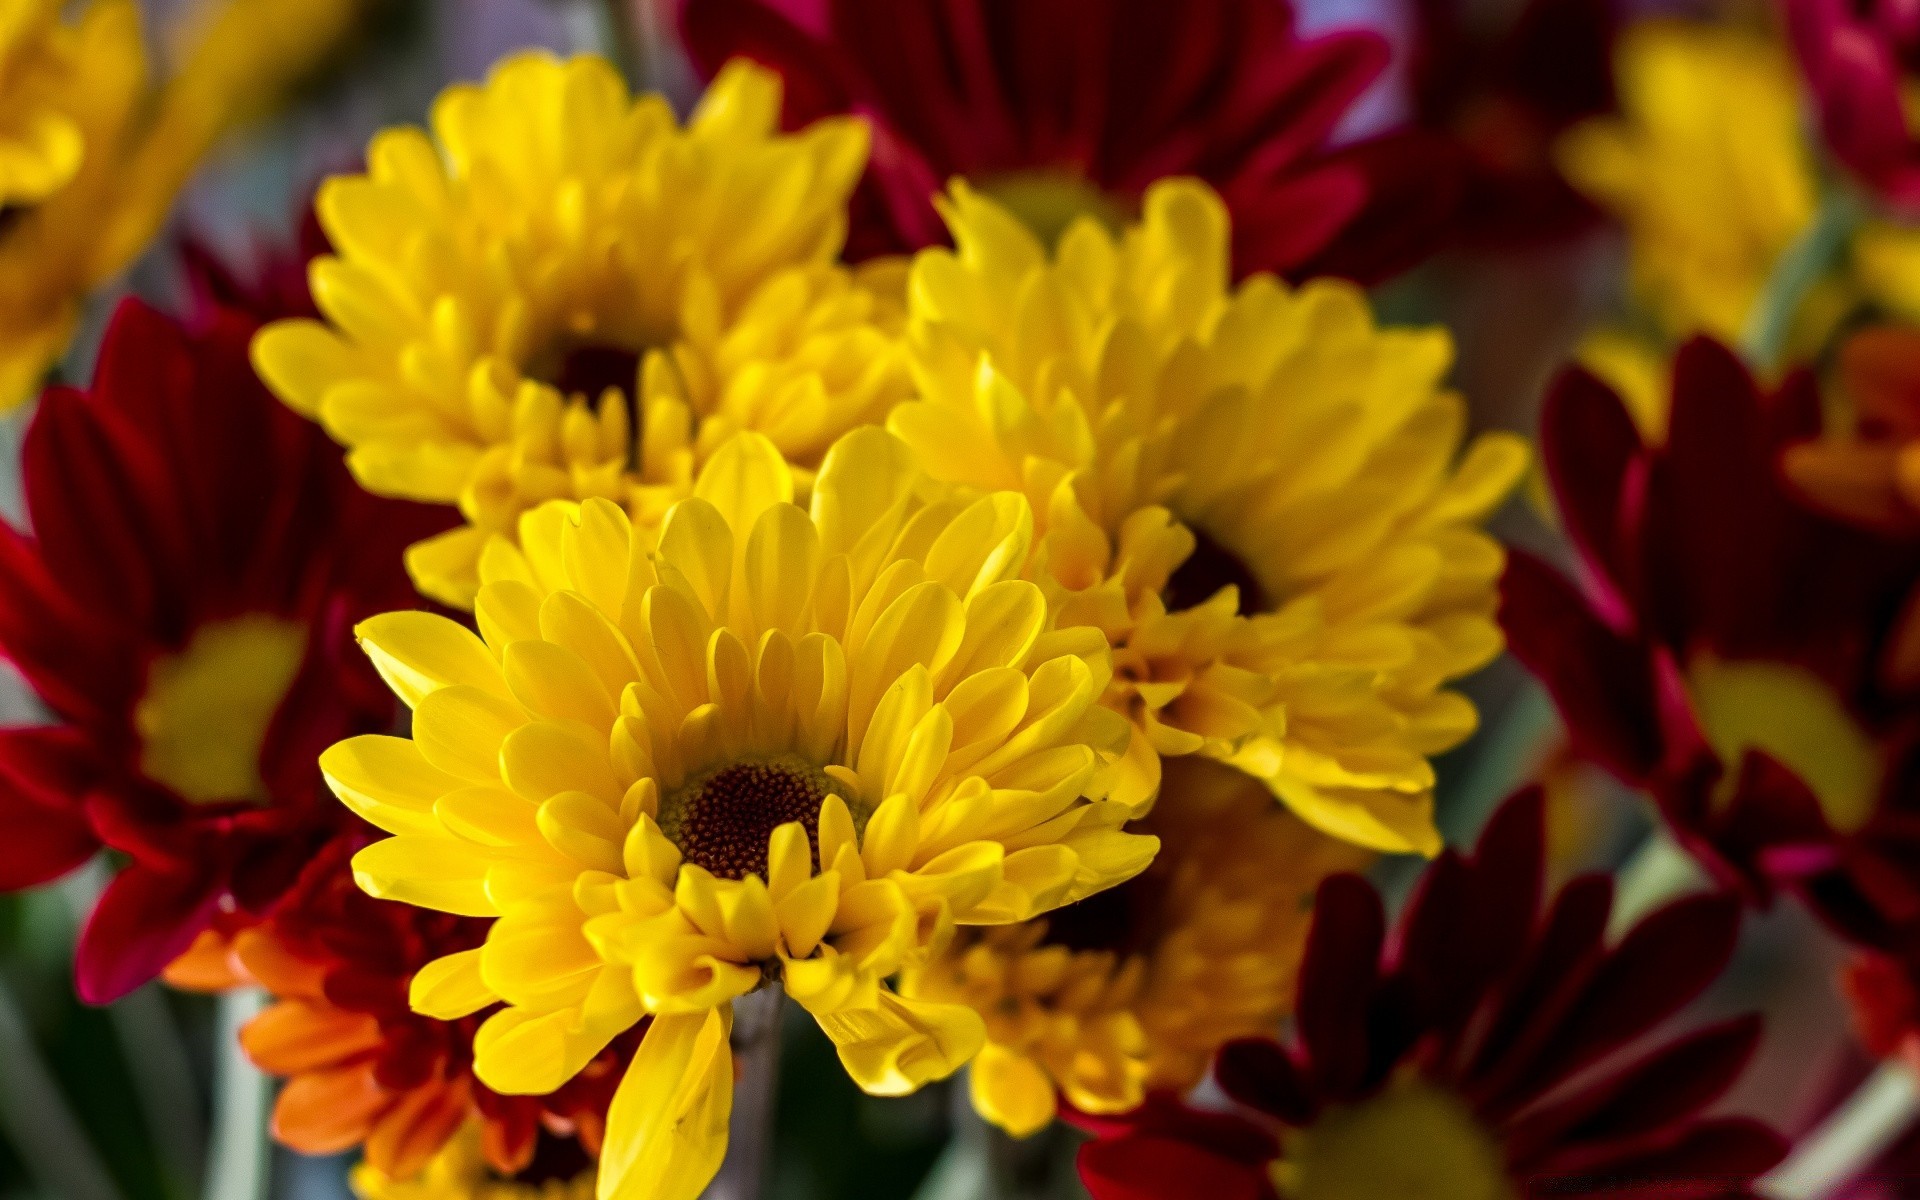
1853	1135
39	1125
1795	273
756	1058
237	1162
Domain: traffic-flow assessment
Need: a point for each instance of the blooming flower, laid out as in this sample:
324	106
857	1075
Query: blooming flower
562	294
792	744
1730	648
363	1069
1477	1053
183	610
1856	55
1061	107
1251	490
1135	988
1706	167
461	1172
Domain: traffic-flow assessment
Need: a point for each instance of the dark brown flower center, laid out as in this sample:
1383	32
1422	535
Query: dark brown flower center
722	820
589	370
1209	568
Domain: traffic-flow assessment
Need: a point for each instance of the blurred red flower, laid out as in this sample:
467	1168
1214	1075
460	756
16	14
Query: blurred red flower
1855	54
1067	106
1483	1044
183	608
1727	648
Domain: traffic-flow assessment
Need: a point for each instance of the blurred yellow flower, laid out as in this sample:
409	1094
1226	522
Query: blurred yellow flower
791	744
1135	988
563	294
460	1172
1707	167
93	150
1252	491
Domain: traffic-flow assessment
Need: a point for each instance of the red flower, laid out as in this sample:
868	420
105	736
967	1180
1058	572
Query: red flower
1854	54
1064	106
362	1068
1503	101
184	610
1727	649
1484	1043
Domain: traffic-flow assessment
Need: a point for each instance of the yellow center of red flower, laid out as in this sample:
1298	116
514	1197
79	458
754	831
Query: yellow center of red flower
722	820
206	710
1048	199
1413	1139
1790	714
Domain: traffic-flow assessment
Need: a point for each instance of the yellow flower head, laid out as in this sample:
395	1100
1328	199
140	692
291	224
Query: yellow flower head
460	1172
1707	167
564	295
1135	988
67	95
1252	491
794	744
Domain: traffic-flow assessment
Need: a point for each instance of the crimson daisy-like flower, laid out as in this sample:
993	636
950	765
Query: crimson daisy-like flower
1856	56
1727	647
361	1067
1486	1048
1065	107
183	607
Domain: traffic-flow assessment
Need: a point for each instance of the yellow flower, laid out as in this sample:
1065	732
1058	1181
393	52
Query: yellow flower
1136	987
558	258
1707	167
92	152
1252	491
794	744
68	93
460	1172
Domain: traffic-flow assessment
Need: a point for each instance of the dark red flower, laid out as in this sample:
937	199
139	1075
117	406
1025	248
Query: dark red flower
1855	55
184	608
1726	648
1066	106
1503	100
362	1068
1483	1042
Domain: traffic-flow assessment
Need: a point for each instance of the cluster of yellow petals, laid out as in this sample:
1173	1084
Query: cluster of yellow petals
1709	168
1155	414
460	1172
1206	947
879	641
551	215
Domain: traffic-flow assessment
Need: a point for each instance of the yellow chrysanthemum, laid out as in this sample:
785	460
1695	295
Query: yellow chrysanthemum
460	1172
92	153
1252	491
1708	168
505	301
1136	987
794	744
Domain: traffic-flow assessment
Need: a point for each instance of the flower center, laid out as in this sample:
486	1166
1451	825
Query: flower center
555	1160
1790	714
1413	1139
206	710
722	820
1209	568
591	368
1048	199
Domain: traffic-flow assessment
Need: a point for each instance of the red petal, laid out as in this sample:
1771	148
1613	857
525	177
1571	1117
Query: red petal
44	777
143	921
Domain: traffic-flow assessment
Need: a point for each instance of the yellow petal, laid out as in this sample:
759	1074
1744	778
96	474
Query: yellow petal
419	653
1011	1091
893	1049
667	1127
